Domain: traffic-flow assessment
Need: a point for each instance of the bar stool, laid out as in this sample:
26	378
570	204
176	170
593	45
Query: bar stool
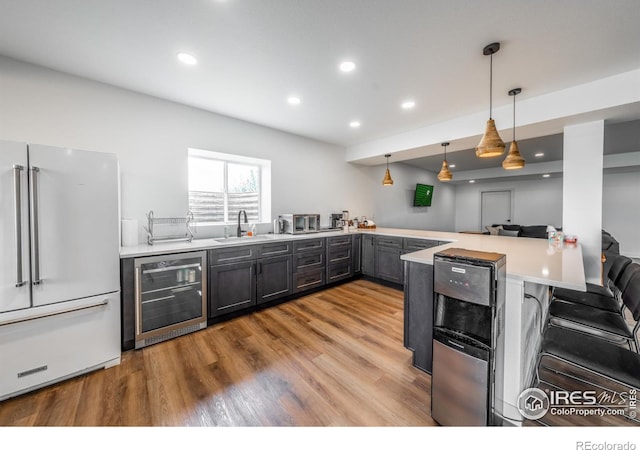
602	297
606	303
607	325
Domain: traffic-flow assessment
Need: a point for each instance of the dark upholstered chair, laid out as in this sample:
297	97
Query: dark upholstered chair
603	297
607	325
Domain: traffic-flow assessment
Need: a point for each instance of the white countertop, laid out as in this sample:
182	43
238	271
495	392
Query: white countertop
162	248
528	259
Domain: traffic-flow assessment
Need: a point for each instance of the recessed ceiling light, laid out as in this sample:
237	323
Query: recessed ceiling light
546	175
347	66
293	100
451	166
354	124
187	58
539	155
408	104
472	181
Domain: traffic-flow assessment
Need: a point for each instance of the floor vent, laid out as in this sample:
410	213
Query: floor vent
170	335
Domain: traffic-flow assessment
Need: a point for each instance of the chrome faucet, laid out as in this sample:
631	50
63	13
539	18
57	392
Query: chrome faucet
242	211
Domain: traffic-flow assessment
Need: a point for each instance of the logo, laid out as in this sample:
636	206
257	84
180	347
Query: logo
533	403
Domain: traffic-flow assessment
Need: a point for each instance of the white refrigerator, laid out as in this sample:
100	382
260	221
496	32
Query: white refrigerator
59	265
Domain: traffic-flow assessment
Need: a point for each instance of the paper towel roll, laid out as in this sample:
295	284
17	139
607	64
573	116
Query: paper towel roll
129	232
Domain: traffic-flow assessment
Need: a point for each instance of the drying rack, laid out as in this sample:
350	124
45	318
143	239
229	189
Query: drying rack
173	224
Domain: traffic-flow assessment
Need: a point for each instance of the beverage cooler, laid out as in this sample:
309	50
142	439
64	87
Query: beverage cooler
468	342
170	296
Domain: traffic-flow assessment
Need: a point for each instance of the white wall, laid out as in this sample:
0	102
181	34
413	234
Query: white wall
393	205
534	202
151	137
621	210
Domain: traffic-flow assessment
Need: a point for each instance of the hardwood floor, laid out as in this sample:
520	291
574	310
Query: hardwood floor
334	358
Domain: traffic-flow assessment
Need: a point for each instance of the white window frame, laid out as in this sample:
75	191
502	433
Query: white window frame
264	182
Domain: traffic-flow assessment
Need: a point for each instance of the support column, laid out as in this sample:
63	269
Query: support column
582	192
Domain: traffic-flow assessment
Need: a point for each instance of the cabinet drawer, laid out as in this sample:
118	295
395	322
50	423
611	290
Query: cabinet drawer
308	280
389	241
275	249
336	241
419	244
308	245
339	271
228	255
339	254
308	261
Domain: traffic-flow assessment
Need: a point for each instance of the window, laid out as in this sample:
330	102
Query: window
221	184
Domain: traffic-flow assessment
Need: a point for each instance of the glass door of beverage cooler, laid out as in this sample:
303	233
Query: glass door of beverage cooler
170	296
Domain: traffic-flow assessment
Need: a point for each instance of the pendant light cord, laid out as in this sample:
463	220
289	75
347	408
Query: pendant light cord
514	117
490	85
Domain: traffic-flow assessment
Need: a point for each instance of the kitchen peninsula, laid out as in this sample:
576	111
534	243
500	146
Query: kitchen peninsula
532	267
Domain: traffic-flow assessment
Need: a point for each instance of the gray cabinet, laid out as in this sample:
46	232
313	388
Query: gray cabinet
308	264
413	245
273	278
368	255
231	287
418	313
356	250
244	276
388	265
339	258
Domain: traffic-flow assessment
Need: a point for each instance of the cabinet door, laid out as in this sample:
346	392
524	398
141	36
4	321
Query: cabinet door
274	278
306	261
418	313
128	303
232	254
356	252
388	265
368	255
308	245
232	287
339	271
412	244
275	249
303	281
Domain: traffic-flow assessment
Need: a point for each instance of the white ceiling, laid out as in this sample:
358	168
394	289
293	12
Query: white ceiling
253	54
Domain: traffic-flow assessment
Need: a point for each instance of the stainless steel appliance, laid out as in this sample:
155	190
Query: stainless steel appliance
336	220
301	223
469	292
59	265
170	296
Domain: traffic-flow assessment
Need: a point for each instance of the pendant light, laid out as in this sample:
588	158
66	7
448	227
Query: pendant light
514	159
491	145
387	181
445	173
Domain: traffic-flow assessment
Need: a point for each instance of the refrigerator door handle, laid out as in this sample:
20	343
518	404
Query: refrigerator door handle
34	225
17	189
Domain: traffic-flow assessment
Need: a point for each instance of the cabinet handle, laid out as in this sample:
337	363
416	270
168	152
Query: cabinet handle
259	268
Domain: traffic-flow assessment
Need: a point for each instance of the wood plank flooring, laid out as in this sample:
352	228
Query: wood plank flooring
333	358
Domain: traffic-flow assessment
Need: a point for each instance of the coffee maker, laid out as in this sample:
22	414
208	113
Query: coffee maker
336	220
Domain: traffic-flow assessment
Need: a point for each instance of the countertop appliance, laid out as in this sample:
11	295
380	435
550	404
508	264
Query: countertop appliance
301	223
59	265
170	296
336	220
468	344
